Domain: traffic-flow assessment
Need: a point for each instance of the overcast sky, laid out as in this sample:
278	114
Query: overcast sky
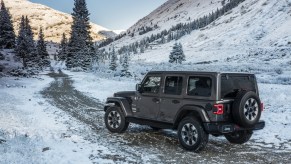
112	14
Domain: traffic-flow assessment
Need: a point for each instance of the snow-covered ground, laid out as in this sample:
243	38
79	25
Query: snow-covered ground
277	114
33	131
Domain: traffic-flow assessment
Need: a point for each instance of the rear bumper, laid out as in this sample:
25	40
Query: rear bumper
223	128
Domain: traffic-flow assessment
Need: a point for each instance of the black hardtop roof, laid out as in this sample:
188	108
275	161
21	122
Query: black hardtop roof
199	72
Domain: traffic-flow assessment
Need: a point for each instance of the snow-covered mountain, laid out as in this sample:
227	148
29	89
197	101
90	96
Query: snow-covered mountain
54	22
118	31
252	26
177	11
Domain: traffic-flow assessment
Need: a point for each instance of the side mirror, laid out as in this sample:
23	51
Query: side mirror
138	87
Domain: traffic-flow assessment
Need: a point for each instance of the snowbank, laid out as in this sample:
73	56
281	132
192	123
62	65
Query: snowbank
33	131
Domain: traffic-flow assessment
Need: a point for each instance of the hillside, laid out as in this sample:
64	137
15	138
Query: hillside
176	11
54	22
253	27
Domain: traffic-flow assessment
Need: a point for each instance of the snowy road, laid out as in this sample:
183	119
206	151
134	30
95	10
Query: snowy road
140	144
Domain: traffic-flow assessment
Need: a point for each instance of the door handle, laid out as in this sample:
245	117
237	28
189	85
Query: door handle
156	100
176	101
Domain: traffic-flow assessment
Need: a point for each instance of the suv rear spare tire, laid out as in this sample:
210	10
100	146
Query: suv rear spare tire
246	109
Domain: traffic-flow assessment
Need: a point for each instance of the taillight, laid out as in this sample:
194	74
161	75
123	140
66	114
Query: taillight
218	109
262	106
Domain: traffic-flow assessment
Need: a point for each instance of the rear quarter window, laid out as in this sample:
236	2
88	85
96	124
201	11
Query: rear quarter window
231	85
199	86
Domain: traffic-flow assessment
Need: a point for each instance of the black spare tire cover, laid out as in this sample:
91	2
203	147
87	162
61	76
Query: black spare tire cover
246	109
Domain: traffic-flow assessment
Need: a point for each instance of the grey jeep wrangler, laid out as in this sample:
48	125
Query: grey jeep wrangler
195	104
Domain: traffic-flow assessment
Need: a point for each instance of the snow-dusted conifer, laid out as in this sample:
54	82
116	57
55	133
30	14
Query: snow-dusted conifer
177	55
223	2
125	65
142	48
21	43
134	48
42	51
29	36
170	37
163	40
7	35
80	34
87	58
62	54
181	56
113	59
120	59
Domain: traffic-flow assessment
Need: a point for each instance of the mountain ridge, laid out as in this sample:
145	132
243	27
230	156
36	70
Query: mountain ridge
54	22
251	27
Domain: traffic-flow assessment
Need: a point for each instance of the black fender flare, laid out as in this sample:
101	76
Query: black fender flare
121	102
198	111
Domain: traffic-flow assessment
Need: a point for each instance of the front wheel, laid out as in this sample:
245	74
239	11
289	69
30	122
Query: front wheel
191	134
115	120
239	137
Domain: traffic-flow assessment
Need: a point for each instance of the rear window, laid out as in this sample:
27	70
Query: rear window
231	85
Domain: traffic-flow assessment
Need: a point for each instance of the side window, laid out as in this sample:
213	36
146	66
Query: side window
199	86
151	84
173	85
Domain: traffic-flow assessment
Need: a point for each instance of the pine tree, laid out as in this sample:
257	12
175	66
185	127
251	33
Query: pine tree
32	57
223	2
42	51
113	59
163	40
121	59
62	54
21	42
181	56
29	34
125	65
142	49
7	35
170	37
177	54
80	34
87	58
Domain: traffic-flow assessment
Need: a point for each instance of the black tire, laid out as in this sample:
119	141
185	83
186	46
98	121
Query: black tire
190	127
239	137
115	120
155	128
246	109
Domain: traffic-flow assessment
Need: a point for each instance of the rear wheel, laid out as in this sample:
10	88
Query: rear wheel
115	120
239	137
191	134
